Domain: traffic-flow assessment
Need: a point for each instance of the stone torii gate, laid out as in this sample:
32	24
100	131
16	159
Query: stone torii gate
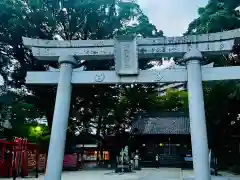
127	51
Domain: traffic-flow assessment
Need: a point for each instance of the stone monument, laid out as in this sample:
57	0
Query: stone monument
124	161
136	161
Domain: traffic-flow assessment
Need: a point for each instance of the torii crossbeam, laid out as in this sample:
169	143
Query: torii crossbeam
126	51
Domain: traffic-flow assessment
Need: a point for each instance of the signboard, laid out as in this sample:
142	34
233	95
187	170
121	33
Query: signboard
86	145
126	56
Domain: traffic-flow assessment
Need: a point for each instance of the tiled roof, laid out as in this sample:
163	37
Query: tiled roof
161	125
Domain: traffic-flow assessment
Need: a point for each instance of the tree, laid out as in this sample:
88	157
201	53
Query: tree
38	133
221	98
18	112
174	101
98	19
216	16
92	106
22	118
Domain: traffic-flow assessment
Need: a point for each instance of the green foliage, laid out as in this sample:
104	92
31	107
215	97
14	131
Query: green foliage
18	112
88	19
216	16
106	108
221	98
174	101
37	133
23	118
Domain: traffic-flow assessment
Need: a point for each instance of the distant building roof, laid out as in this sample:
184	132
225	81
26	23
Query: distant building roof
167	123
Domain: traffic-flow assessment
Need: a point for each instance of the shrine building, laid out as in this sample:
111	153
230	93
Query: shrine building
165	134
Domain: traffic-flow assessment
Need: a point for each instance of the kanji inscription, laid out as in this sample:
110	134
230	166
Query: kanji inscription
126	56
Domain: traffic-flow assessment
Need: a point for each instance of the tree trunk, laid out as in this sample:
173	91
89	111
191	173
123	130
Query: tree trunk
102	144
98	134
49	116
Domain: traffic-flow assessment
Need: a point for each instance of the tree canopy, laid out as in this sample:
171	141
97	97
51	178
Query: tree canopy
221	98
106	108
92	106
216	16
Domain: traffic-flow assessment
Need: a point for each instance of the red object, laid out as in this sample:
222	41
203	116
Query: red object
14	157
6	157
17	140
70	161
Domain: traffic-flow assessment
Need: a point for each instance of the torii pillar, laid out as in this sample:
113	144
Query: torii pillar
60	119
193	60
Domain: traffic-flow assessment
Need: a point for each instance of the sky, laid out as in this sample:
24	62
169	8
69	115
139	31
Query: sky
171	16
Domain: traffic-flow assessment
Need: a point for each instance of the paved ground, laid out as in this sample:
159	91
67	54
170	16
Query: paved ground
145	174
